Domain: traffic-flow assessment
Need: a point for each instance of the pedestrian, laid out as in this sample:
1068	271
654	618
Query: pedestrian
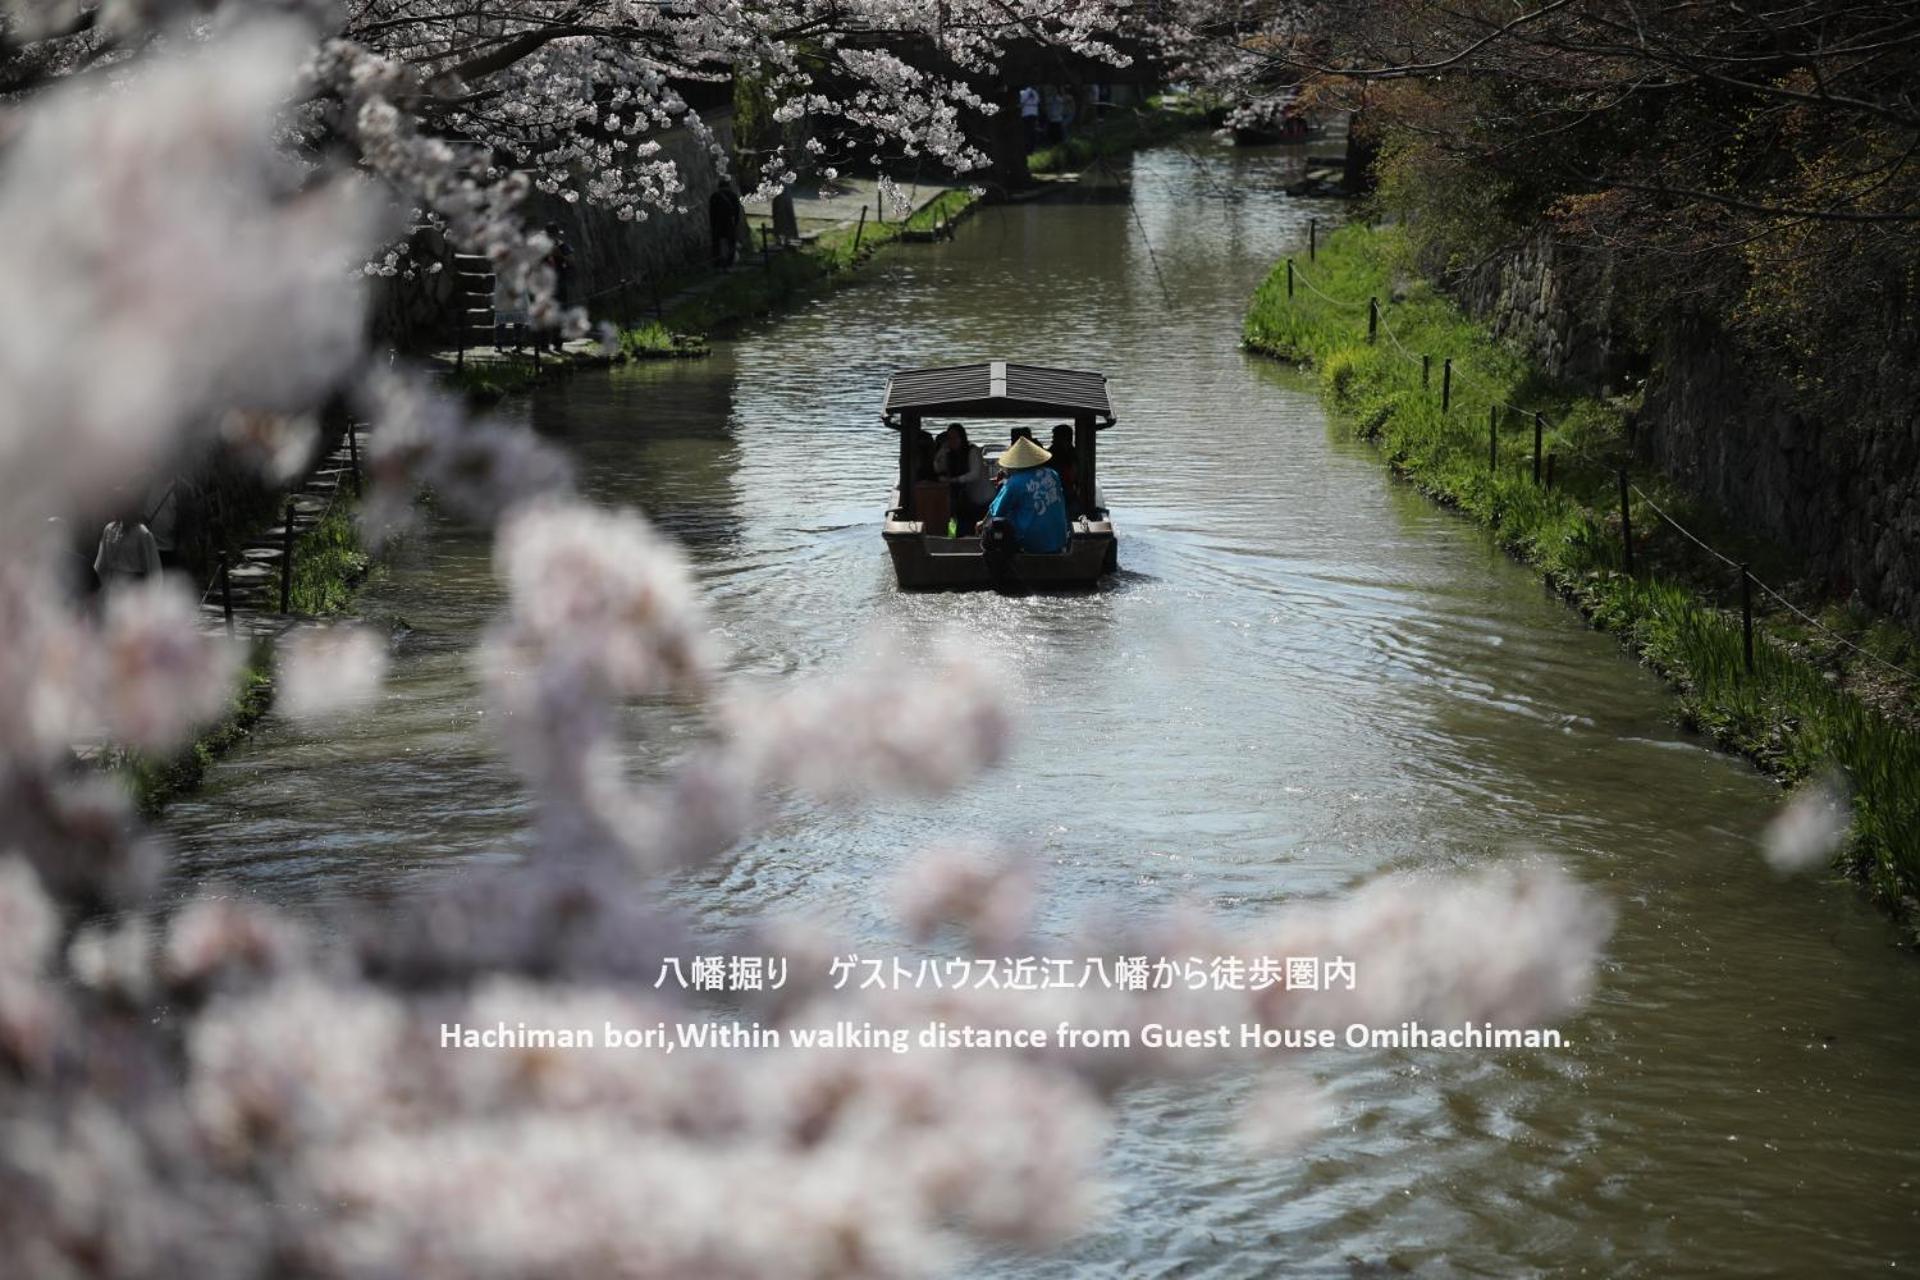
1060	109
1030	116
560	260
128	552
723	220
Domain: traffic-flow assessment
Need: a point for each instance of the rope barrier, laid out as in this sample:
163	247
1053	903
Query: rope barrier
1460	375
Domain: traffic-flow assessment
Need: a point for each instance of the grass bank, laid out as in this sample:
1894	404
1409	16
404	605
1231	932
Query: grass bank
1122	131
329	568
1810	704
765	284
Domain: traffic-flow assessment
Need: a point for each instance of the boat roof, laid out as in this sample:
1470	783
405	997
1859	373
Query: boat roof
998	389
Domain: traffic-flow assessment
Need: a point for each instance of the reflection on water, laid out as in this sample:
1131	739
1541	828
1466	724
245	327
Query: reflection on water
1304	675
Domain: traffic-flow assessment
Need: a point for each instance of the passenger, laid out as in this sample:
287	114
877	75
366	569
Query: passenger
961	464
1063	465
1031	500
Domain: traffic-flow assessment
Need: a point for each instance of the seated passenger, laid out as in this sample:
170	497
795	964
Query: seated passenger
923	456
1031	500
961	464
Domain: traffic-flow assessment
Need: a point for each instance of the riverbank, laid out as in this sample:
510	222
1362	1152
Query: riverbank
1123	131
330	566
1825	692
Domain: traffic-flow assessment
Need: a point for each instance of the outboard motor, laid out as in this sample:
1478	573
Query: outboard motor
998	545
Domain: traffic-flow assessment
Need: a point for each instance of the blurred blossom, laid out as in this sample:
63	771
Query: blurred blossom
220	941
478	470
989	895
1283	1116
893	723
28	925
114	959
1810	827
601	592
278	446
329	671
148	210
160	675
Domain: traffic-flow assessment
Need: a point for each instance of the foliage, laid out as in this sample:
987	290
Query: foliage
1124	130
328	563
1796	714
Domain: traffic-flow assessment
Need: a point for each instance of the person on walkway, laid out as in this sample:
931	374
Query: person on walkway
1030	116
960	463
1059	115
560	260
723	220
1031	500
128	552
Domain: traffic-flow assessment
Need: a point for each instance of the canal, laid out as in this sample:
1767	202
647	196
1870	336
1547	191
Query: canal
1306	675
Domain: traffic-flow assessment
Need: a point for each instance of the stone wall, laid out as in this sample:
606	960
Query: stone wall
1555	305
615	263
1842	486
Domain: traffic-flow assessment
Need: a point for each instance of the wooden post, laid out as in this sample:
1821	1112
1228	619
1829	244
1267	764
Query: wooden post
1084	444
1493	437
1426	372
859	229
226	593
1373	318
766	249
909	463
1549	473
1746	617
1446	384
1313	239
353	456
1626	525
1539	429
1289	279
286	562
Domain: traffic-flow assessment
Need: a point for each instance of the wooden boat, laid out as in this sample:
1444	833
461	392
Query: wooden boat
917	527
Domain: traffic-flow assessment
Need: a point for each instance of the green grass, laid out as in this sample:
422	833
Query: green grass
652	340
155	779
1806	707
328	563
765	285
1123	130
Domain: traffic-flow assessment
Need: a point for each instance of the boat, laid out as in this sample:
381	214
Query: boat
930	553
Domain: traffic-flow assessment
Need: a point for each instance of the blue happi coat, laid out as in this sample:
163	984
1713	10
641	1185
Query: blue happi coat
1032	500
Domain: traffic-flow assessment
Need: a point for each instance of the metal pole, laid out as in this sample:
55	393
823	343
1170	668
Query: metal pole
1539	429
1313	239
1746	616
1446	384
1426	371
1493	437
1289	279
1373	318
859	228
286	563
353	456
1626	525
226	594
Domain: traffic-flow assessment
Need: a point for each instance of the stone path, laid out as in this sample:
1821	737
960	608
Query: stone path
253	576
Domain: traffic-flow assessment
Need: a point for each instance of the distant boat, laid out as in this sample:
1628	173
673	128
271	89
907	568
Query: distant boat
929	554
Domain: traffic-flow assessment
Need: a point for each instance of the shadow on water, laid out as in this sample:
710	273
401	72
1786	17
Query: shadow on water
1304	676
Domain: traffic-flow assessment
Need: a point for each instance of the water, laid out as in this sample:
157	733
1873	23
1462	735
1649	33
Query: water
1306	675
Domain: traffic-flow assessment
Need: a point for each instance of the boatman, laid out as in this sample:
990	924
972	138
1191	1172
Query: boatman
1031	500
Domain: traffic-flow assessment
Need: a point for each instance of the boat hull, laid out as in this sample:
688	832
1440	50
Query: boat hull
926	563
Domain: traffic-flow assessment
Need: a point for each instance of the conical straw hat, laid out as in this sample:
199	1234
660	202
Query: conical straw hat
1024	453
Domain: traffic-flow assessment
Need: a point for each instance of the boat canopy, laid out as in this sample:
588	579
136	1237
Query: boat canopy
997	389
